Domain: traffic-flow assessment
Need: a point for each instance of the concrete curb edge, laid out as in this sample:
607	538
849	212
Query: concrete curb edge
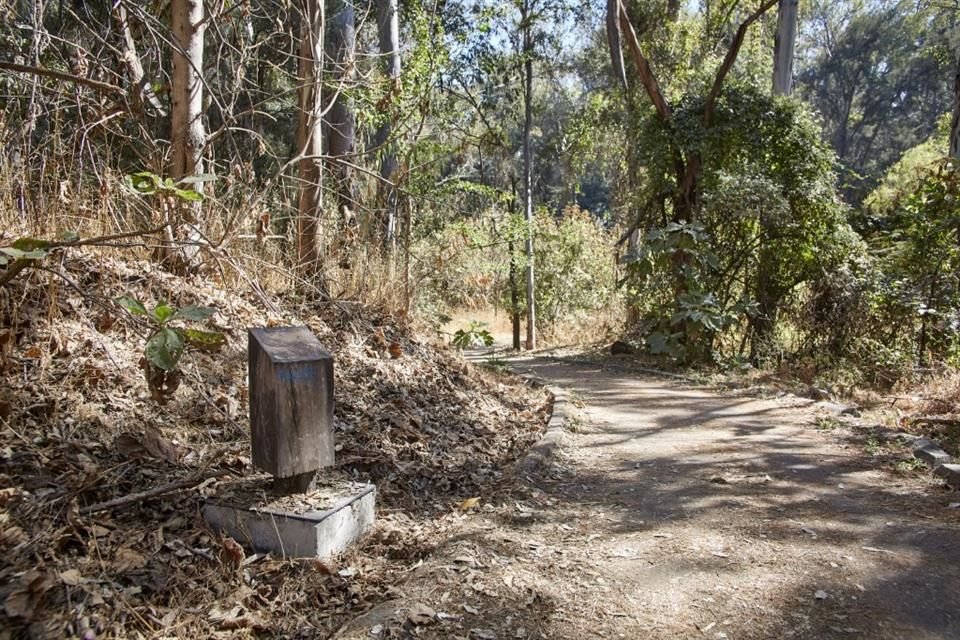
552	437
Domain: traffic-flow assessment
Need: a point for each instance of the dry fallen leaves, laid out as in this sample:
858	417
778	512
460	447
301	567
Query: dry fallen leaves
425	425
24	600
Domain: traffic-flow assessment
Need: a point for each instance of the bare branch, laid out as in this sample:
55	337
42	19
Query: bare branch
615	41
104	87
643	67
729	59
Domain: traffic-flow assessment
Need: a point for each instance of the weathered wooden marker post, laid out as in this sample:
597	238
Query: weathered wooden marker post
291	434
291	406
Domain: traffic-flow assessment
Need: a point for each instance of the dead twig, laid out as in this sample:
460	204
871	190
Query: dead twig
140	496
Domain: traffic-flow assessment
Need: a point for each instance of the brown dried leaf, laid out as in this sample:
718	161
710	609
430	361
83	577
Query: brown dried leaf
10	495
104	322
129	446
127	559
161	448
236	618
71	577
22	602
19	604
421	614
12	536
232	552
395	350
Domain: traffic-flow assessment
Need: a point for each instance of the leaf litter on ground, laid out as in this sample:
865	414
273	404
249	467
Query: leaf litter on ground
79	429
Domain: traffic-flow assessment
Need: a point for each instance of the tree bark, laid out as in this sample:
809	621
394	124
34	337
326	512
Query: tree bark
340	121
388	28
187	133
525	18
784	46
955	121
309	144
614	42
141	91
688	163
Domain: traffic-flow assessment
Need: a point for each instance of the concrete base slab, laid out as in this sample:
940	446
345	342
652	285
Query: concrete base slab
929	452
318	524
950	473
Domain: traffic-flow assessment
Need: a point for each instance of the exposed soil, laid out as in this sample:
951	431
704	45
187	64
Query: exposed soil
673	511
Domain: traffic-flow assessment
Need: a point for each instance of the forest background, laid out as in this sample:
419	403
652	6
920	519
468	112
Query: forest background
590	169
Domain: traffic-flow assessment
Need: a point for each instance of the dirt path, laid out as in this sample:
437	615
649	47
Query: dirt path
674	512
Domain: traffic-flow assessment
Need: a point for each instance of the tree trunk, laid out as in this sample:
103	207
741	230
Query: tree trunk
309	144
784	47
388	28
340	124
955	121
687	162
141	91
187	133
764	321
525	25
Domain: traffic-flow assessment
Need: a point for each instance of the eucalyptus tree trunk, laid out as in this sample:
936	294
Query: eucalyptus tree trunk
687	165
309	143
763	322
340	120
388	28
141	90
955	121
784	47
187	133
526	27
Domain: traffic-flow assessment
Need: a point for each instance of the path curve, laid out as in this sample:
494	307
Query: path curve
676	512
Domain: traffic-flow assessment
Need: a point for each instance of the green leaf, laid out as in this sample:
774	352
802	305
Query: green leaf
189	195
19	254
132	305
143	182
208	341
193	313
203	177
164	349
658	343
162	312
30	244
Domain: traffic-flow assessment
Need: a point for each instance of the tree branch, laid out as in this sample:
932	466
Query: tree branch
643	67
154	492
728	60
615	41
104	87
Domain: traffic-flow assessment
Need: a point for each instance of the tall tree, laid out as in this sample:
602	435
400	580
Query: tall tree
784	46
340	130
526	29
686	159
187	132
876	76
388	32
310	141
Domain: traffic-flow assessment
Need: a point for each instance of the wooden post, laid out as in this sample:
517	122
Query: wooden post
291	405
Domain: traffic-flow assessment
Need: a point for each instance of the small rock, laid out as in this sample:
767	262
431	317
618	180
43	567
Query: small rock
818	393
820	595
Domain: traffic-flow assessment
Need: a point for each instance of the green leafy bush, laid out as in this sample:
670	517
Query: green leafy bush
167	342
